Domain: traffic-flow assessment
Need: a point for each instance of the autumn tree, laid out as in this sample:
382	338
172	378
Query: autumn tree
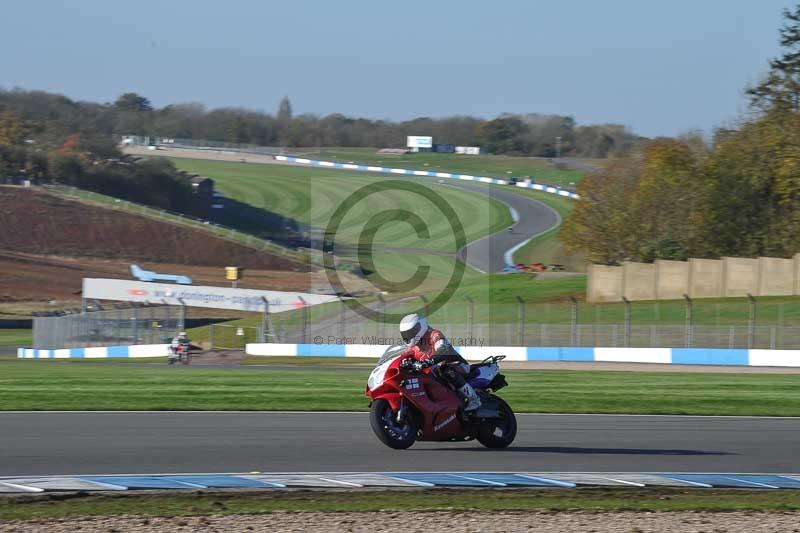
669	202
502	135
602	222
780	88
754	198
133	102
647	205
284	110
12	129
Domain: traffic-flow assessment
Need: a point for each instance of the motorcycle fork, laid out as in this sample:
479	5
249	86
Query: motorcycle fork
401	411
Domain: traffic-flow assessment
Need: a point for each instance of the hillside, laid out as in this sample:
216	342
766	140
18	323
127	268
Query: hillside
35	222
32	283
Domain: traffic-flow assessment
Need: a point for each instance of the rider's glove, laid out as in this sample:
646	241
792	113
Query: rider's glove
420	365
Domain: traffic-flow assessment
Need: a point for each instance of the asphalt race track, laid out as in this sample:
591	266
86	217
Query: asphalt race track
534	218
52	443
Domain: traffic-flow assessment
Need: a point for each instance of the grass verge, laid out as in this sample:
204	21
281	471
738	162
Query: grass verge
16	337
200	503
52	385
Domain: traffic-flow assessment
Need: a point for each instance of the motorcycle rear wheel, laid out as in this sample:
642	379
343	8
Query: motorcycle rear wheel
499	432
383	420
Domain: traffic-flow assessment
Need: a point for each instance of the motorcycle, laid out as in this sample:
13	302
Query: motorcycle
408	405
179	354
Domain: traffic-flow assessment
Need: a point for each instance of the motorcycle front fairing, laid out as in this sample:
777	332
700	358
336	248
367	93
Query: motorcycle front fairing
434	403
382	382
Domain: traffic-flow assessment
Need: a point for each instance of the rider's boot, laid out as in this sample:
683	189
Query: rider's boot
471	397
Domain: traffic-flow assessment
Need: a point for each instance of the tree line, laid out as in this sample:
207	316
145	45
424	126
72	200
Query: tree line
737	194
513	134
71	152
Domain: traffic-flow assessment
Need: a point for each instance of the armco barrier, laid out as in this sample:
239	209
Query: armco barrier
682	356
423	173
97	352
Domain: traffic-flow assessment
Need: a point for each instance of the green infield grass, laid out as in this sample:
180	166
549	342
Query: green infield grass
16	337
43	507
53	385
313	195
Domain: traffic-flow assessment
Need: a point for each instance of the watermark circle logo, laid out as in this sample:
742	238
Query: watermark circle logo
365	245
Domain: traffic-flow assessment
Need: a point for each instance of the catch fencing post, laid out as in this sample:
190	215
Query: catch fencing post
751	326
689	334
182	319
304	313
521	304
574	321
424	305
152	331
266	322
470	316
135	319
342	309
211	337
382	320
627	340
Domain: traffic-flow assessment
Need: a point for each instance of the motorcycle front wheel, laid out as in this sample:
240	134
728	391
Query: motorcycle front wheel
394	434
499	432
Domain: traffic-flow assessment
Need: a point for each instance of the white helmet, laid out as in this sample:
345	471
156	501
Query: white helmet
412	328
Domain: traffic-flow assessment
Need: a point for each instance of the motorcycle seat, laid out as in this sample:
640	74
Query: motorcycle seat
481	374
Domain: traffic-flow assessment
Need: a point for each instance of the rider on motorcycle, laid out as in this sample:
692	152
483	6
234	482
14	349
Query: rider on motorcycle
429	347
179	340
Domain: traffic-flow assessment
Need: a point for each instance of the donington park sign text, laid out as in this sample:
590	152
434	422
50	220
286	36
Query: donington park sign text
198	295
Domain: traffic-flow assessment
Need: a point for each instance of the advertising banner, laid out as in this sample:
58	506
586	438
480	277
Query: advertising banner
198	295
416	141
468	150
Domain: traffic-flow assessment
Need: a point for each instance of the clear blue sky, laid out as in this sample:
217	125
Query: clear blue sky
659	67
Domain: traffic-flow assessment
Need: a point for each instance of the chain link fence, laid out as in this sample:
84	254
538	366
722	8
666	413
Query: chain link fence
227	337
117	327
554	335
750	324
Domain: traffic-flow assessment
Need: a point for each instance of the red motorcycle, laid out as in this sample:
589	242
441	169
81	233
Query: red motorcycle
408	405
179	354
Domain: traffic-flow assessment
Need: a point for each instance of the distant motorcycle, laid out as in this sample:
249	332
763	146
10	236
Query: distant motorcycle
179	354
407	405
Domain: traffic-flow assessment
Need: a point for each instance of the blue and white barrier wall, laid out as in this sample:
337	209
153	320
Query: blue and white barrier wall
97	352
679	356
423	173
